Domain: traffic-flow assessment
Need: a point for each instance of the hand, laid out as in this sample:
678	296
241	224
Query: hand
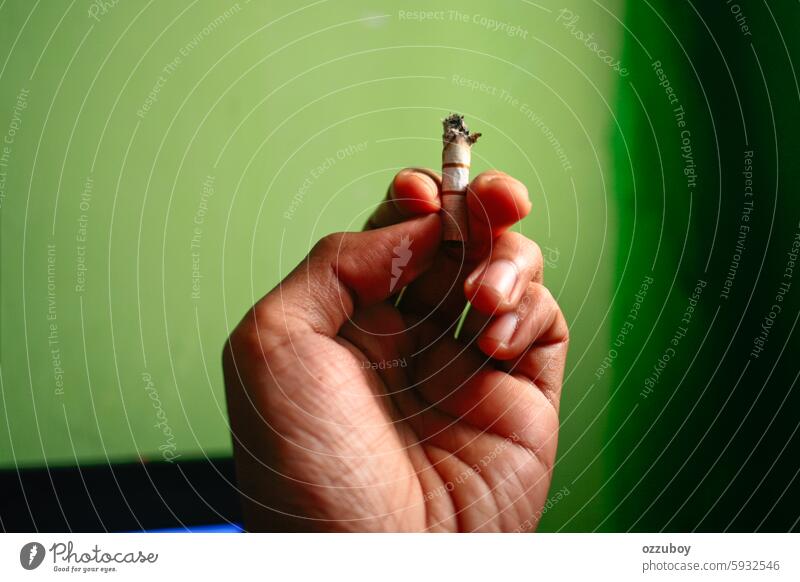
351	413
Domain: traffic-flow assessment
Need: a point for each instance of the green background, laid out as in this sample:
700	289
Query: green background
251	97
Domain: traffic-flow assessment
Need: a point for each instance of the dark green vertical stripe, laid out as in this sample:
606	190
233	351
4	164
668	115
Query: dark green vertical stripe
702	447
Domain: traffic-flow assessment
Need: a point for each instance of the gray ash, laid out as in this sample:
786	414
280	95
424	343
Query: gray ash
454	127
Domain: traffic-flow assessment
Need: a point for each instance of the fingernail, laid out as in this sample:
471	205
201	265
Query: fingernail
503	328
500	278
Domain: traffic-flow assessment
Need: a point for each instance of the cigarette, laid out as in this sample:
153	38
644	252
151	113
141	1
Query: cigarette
456	156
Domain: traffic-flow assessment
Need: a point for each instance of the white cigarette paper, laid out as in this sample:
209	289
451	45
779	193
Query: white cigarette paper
456	157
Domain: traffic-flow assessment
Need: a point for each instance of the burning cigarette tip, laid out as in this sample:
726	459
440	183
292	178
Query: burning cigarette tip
454	127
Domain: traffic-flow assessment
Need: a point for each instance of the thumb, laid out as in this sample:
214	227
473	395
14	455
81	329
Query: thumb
346	270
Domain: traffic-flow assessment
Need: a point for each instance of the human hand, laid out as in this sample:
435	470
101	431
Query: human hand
353	412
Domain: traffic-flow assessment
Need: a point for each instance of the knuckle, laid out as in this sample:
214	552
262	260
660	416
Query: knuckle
532	254
329	245
563	328
521	246
548	304
518	242
243	344
535	251
261	332
543	296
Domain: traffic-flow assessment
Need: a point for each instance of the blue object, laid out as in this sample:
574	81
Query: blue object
215	528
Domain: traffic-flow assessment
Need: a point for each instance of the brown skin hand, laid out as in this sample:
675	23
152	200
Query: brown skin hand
446	434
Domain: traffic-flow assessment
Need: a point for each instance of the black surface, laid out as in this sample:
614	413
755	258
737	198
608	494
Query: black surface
120	497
